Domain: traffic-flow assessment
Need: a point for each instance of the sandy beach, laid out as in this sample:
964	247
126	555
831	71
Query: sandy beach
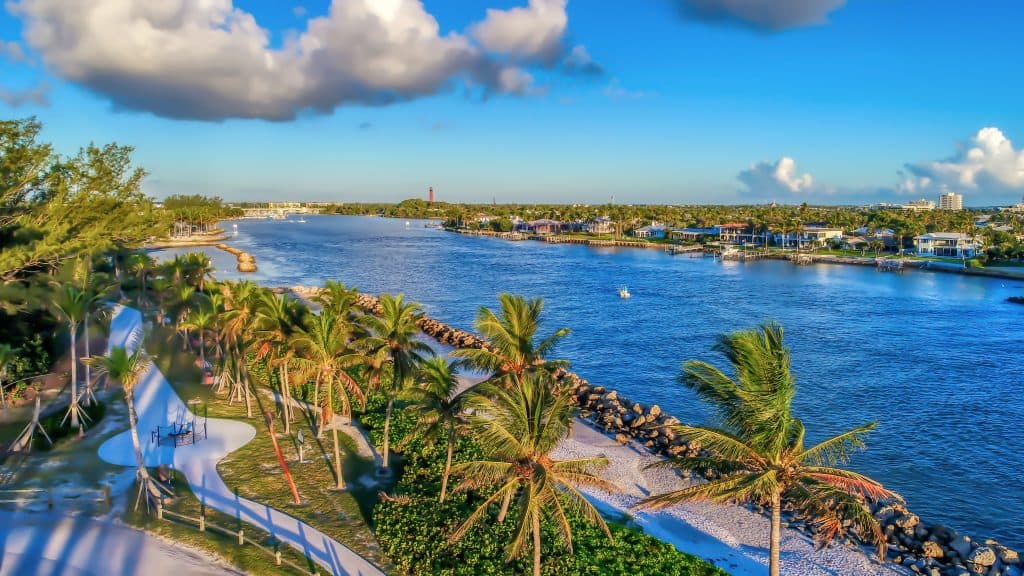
732	537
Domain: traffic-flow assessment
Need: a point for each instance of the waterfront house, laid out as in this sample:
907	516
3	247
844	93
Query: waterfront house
689	234
544	227
946	244
854	243
733	232
653	231
601	225
810	235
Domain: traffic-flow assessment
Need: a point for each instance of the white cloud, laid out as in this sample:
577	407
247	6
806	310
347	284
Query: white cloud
579	61
766	15
987	163
208	60
616	91
38	96
531	33
12	51
775	178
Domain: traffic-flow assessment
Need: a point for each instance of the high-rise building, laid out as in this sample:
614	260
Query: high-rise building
951	201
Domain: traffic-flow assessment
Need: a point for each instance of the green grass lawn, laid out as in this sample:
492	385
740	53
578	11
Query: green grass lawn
253	470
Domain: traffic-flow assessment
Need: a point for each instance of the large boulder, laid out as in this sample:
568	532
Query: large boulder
961	545
931	549
982	556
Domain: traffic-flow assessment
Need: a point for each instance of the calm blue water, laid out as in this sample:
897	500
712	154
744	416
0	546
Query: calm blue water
934	358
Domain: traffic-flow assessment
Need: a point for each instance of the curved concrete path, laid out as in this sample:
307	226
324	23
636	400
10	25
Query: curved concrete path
157	403
33	544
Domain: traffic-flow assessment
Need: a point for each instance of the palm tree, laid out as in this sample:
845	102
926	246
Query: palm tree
96	288
71	305
127	369
200	319
199	267
512	351
240	302
439	407
518	427
142	265
758	455
325	345
393	334
7	357
277	320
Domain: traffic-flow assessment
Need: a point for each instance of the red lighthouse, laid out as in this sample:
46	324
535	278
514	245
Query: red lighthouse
431	201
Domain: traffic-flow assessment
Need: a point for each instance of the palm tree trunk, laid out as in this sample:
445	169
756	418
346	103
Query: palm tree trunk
88	367
340	485
505	502
141	474
202	349
448	461
776	536
73	408
536	543
387	430
286	395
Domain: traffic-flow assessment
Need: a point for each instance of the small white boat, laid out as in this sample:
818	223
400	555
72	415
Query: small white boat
624	292
408	224
302	220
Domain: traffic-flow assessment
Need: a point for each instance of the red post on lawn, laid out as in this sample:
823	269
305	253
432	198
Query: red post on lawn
280	458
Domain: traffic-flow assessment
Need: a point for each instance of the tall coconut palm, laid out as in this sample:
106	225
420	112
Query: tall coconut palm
439	408
199	267
71	305
513	349
240	302
518	427
325	348
97	288
7	357
127	369
393	334
277	320
200	320
142	266
758	453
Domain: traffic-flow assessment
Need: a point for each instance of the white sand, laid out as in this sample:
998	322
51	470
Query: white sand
732	537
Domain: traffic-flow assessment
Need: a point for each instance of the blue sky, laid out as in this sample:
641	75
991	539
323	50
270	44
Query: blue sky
695	101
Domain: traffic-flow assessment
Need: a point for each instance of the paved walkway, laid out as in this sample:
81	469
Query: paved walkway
157	403
33	544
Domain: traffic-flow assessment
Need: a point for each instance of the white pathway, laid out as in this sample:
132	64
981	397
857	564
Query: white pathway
33	544
157	403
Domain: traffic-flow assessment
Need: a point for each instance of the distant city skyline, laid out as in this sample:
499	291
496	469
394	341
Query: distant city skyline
656	101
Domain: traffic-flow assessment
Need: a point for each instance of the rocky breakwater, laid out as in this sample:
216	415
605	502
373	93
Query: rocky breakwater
246	261
933	550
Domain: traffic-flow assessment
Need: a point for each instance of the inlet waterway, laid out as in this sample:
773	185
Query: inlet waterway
935	358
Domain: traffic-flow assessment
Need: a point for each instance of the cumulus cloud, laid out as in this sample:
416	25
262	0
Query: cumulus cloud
988	163
38	96
208	60
532	33
776	178
579	61
763	15
12	51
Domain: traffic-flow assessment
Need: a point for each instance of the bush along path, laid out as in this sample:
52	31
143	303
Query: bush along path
159	405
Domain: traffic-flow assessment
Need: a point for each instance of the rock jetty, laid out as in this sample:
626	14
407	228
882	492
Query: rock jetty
246	261
932	550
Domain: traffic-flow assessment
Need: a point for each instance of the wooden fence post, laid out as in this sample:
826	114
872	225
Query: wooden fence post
159	510
202	518
241	536
49	498
277	557
106	496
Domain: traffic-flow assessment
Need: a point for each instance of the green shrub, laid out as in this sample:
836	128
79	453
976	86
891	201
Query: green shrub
414	528
58	431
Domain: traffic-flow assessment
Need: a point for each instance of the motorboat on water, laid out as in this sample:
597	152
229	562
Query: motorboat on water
301	220
624	293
